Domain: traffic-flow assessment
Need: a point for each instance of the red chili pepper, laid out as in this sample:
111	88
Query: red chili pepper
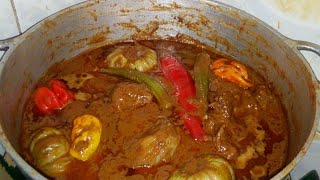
175	72
60	89
46	100
194	125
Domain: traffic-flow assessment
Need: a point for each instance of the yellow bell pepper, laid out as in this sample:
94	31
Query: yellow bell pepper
85	136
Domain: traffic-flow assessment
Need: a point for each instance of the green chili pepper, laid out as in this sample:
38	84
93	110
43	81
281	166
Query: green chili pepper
155	87
201	78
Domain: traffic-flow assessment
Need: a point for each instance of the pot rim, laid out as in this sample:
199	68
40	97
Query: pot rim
13	42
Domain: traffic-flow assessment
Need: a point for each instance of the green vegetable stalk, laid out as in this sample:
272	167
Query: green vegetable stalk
155	87
201	78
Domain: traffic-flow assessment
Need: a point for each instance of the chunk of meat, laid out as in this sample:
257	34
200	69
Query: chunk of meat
247	105
276	160
222	104
110	168
238	132
270	105
129	95
100	83
263	96
211	125
224	146
219	85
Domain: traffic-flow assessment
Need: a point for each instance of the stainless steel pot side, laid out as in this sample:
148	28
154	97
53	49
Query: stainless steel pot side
226	29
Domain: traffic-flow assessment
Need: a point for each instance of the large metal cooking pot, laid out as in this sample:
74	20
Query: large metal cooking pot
226	29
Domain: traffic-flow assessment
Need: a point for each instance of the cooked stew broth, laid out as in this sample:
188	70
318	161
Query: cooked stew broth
238	122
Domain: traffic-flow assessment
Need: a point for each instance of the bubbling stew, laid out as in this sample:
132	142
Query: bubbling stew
154	110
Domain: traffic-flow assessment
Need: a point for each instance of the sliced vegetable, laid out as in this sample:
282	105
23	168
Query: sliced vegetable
155	87
49	149
46	100
157	145
201	78
205	167
232	71
85	136
175	72
136	57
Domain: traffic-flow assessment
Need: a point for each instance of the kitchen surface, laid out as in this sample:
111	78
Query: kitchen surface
296	19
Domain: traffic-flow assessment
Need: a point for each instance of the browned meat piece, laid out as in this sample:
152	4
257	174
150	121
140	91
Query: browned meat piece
247	105
276	160
223	144
271	110
212	125
263	96
220	85
99	83
129	95
222	104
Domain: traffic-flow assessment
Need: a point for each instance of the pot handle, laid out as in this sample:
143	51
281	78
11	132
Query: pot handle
298	45
5	44
303	45
306	46
4	48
